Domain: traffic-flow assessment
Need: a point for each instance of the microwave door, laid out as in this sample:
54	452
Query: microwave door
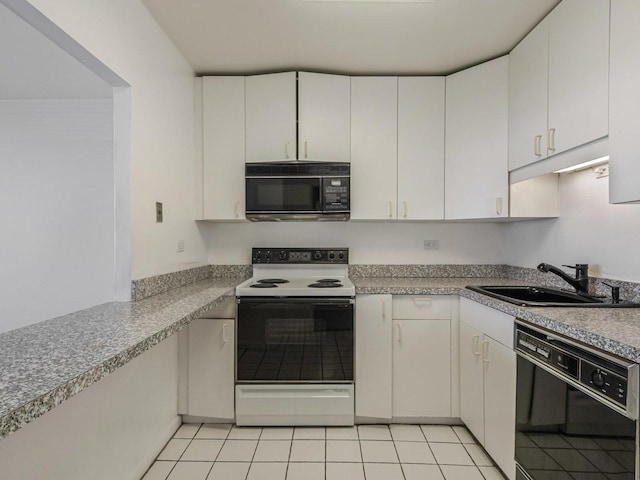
284	195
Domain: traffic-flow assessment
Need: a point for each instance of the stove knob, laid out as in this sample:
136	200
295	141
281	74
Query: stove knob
317	255
332	256
598	379
282	255
268	255
341	255
258	256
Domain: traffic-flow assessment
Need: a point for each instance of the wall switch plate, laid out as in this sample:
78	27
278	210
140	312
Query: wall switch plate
180	246
431	244
158	212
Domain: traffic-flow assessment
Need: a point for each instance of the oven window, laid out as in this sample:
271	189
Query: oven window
283	194
563	434
295	342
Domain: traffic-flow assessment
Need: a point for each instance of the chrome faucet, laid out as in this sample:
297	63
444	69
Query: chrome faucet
580	283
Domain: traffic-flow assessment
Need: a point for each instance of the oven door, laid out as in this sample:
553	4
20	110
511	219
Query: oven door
295	340
273	195
564	434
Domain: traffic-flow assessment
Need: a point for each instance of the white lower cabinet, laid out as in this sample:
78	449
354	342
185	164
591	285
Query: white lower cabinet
207	367
488	380
373	356
403	356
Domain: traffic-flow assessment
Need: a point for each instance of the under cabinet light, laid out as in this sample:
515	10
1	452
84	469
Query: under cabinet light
582	166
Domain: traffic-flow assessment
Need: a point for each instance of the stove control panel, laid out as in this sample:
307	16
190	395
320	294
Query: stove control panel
337	256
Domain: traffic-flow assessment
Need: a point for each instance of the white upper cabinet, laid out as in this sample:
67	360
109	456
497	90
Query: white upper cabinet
270	109
223	148
476	178
578	73
528	94
421	148
324	116
559	83
374	145
624	125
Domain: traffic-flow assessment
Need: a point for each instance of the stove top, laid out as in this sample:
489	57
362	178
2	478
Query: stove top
298	272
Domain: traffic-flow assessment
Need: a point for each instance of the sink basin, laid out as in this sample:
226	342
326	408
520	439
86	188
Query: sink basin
529	296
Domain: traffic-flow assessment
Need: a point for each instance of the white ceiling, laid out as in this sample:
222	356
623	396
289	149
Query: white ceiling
32	66
251	36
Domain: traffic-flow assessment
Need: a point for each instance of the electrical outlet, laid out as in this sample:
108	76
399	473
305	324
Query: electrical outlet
431	244
180	246
158	212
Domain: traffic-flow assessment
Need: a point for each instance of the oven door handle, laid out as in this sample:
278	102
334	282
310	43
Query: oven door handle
298	300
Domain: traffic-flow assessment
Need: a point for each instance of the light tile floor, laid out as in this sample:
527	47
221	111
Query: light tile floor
366	452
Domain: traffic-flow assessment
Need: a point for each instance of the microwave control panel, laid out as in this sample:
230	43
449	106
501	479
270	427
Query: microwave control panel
336	193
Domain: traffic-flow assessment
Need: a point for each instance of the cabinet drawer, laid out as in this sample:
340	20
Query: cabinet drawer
421	307
496	324
226	309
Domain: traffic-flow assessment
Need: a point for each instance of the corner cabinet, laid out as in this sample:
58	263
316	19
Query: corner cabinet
206	356
476	176
558	85
396	339
624	121
488	380
223	148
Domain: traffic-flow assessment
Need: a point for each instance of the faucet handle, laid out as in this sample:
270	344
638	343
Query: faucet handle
615	292
582	269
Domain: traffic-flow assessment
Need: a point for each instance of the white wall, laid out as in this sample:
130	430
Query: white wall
375	243
57	194
124	36
113	430
589	230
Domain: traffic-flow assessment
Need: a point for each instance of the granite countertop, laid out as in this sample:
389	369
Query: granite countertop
44	364
614	330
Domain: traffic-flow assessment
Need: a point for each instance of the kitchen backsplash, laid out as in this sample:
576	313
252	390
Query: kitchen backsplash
146	287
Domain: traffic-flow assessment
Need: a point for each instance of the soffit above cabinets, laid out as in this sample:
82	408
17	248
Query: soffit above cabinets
400	38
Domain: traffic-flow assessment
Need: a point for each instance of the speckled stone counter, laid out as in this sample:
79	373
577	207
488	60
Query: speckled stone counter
614	330
44	364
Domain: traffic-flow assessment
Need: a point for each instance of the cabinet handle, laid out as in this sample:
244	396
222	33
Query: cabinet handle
405	209
237	209
498	205
390	209
384	309
551	139
537	142
474	344
305	149
485	352
224	332
421	300
286	150
399	333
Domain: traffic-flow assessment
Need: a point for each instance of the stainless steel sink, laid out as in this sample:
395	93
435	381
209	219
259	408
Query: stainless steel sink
528	296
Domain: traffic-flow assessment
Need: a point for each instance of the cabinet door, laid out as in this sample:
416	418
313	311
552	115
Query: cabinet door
324	117
421	368
374	144
476	178
471	380
578	73
624	122
421	148
270	117
223	147
528	93
373	356
500	404
211	368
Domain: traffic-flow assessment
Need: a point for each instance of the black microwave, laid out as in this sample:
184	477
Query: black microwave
297	190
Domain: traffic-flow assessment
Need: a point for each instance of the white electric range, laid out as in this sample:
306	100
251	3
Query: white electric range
295	339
